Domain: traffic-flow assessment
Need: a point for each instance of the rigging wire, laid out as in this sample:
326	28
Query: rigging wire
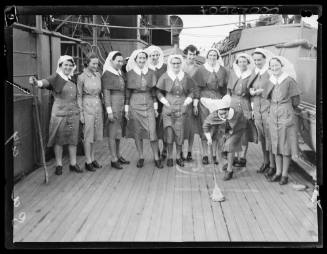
149	27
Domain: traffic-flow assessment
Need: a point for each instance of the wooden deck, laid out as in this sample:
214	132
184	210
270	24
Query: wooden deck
171	204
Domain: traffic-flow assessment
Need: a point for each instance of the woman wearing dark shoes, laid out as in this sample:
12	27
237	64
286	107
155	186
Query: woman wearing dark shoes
192	124
178	88
65	114
156	63
114	89
258	83
89	102
233	123
284	96
238	88
143	106
211	80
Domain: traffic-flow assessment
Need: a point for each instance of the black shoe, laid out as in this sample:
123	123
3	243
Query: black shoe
189	157
214	158
228	175
270	172
275	178
163	154
96	164
263	168
283	180
170	163
235	161
182	156
158	163
180	162
116	165
75	168
140	163
205	160
89	167
121	160
58	171
240	163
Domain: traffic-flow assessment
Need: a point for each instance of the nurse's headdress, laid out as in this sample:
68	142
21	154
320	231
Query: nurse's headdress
287	66
170	72
152	49
108	63
220	60
131	64
250	65
61	60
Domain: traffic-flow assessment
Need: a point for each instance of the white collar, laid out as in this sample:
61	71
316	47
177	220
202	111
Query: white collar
278	80
210	68
260	71
113	70
173	76
242	75
140	71
153	67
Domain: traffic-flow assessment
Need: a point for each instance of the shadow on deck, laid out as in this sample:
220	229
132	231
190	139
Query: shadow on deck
171	204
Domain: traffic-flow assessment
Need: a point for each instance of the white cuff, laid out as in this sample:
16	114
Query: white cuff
252	105
195	102
126	108
109	110
164	101
187	101
155	105
207	135
39	83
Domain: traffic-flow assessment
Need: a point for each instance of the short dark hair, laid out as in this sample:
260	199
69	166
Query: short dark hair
244	58
69	60
146	55
89	56
191	48
259	53
277	59
116	55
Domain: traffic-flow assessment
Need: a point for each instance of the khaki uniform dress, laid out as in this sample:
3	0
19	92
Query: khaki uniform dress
114	89
282	118
88	96
65	113
174	116
140	95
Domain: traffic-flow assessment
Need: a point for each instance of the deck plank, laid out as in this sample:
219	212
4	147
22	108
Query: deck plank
166	220
162	205
157	210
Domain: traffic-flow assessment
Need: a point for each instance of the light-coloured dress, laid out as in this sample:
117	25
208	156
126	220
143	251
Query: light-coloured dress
282	118
88	95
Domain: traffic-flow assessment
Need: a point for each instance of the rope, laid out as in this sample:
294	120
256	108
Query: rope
19	87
